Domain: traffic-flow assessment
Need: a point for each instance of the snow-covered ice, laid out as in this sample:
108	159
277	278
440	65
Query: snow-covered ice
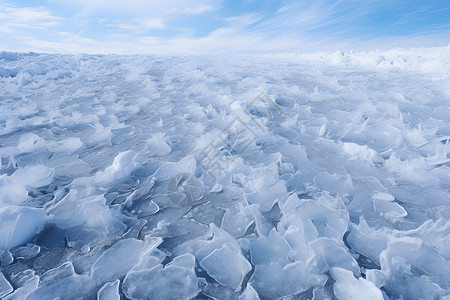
291	176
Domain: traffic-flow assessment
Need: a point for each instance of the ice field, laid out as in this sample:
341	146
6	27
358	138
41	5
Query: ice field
290	176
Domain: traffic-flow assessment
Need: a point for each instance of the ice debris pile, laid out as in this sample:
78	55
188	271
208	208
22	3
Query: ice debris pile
322	176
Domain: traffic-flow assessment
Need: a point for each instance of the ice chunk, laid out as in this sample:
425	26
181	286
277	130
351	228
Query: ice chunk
273	248
410	253
204	245
35	176
26	252
19	225
68	145
11	193
109	291
169	170
62	281
13	188
368	241
157	145
364	153
5	286
117	260
92	212
378	277
249	294
334	183
122	166
177	280
31	142
273	281
347	287
227	266
383	206
329	253
265	186
28	282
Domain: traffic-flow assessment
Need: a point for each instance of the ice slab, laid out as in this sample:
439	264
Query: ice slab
227	266
19	225
5	286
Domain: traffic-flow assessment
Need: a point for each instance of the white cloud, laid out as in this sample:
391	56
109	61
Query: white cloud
140	26
13	18
139	8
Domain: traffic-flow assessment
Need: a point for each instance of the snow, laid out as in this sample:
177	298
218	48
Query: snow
309	176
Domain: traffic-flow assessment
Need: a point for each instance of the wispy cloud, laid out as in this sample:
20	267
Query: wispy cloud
217	26
12	19
140	26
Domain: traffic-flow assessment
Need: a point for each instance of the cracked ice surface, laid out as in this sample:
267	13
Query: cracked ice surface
305	176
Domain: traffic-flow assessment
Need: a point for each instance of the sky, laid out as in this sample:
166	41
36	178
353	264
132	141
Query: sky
220	26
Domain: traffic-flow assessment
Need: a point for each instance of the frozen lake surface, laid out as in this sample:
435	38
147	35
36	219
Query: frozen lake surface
320	176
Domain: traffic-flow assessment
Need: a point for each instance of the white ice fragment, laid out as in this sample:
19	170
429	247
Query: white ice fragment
11	193
391	211
19	225
378	277
68	145
26	252
177	280
35	176
121	167
157	145
347	287
249	294
271	249
334	183
109	291
217	188
92	212
31	142
61	281
5	286
383	196
227	266
117	260
364	153
275	281
30	283
171	169
368	241
329	253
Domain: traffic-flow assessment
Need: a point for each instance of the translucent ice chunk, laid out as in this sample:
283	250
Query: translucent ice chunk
68	145
117	260
157	145
62	281
19	225
347	287
249	294
330	253
5	286
35	176
227	266
26	252
109	291
31	142
273	281
177	280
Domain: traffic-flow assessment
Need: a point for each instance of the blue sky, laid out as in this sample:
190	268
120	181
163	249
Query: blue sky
215	26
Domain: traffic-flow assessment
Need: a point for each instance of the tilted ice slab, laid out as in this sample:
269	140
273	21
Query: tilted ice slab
317	176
